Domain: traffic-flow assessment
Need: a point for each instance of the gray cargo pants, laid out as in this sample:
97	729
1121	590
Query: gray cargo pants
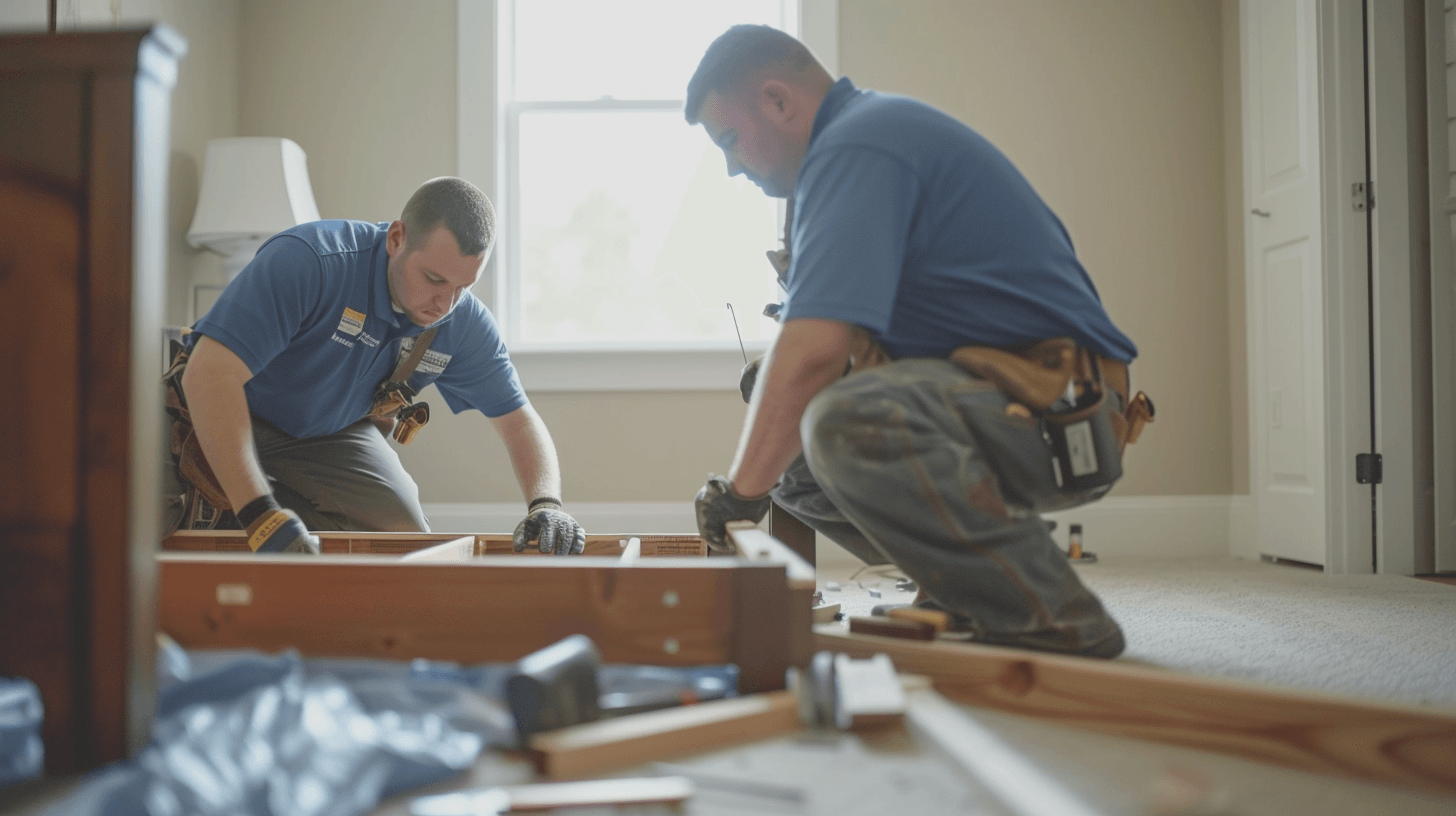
916	463
351	480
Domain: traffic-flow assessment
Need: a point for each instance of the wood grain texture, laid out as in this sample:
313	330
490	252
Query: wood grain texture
369	543
82	461
1392	744
623	742
488	610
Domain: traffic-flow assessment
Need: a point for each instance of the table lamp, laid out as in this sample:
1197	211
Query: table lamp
252	187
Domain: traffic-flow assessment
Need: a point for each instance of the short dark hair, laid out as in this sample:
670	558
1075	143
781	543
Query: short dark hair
737	55
456	203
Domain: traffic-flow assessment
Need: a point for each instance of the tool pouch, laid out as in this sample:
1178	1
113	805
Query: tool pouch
1067	388
411	419
395	400
1082	429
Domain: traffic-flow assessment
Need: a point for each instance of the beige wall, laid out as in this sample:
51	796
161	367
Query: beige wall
204	105
1116	110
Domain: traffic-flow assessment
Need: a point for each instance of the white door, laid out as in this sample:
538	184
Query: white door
1283	265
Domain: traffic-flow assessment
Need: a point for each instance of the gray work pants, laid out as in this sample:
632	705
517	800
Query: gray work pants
916	463
350	480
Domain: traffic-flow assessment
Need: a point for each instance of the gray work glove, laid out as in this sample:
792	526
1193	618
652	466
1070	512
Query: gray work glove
551	527
717	504
749	377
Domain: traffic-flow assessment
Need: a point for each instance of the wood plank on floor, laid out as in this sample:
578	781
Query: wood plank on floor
1402	745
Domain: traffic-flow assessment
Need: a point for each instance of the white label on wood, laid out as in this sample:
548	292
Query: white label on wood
234	594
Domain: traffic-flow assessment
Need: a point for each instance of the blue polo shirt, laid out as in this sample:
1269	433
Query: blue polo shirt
311	317
912	225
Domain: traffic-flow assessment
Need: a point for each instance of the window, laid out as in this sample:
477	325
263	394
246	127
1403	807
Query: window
622	238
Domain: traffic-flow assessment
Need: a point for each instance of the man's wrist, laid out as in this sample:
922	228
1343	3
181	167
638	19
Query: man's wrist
734	489
256	508
543	501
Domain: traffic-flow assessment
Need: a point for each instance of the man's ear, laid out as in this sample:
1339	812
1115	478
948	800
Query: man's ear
394	239
777	100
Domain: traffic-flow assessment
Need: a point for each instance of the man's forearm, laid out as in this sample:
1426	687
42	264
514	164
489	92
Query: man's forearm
532	452
219	413
807	357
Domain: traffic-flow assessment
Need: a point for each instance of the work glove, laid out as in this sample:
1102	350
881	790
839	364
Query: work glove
551	527
281	531
718	503
749	377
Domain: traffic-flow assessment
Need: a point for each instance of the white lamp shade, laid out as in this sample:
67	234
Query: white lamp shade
252	187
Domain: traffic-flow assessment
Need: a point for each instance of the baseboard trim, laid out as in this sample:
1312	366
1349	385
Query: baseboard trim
1132	526
1153	526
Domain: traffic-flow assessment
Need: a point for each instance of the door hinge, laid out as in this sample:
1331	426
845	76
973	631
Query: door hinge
1362	195
1368	469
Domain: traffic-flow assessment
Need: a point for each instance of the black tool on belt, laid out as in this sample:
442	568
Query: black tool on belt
394	398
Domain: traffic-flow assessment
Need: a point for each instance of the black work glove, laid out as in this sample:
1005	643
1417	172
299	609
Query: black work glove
552	528
749	377
281	531
717	504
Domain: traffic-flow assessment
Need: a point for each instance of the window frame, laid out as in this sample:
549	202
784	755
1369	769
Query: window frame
480	73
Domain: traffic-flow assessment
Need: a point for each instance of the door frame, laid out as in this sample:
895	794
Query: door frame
1372	405
1344	232
1443	294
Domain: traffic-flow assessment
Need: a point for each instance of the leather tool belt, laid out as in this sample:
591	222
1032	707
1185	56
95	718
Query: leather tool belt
1066	386
394	398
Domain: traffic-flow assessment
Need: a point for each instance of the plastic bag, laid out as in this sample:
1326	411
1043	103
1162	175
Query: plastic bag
21	751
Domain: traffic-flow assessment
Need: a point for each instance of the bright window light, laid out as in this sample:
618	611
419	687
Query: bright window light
621	228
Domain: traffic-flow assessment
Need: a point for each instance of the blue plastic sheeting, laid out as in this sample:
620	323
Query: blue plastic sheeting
246	734
272	736
21	751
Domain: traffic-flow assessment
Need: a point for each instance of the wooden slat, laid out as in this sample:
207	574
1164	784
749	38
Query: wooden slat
364	543
488	610
754	545
651	546
455	551
1392	744
623	742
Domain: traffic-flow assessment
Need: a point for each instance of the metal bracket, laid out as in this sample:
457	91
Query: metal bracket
1362	194
1368	468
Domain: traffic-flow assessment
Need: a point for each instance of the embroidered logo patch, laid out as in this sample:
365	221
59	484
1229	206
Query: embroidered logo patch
433	362
352	322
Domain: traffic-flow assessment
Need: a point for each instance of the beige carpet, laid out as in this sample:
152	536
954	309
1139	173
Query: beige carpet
1372	636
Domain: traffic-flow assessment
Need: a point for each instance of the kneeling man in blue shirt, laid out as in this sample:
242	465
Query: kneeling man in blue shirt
284	387
891	413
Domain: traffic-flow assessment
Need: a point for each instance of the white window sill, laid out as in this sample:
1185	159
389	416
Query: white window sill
630	369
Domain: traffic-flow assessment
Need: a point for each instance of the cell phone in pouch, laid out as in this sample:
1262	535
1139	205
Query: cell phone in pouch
1084	452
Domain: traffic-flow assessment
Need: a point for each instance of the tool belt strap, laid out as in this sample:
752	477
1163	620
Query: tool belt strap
1037	375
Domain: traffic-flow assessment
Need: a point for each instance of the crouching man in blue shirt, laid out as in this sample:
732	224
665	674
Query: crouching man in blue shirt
928	290
304	365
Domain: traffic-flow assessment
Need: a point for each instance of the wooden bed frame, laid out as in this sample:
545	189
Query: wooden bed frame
454	598
471	599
